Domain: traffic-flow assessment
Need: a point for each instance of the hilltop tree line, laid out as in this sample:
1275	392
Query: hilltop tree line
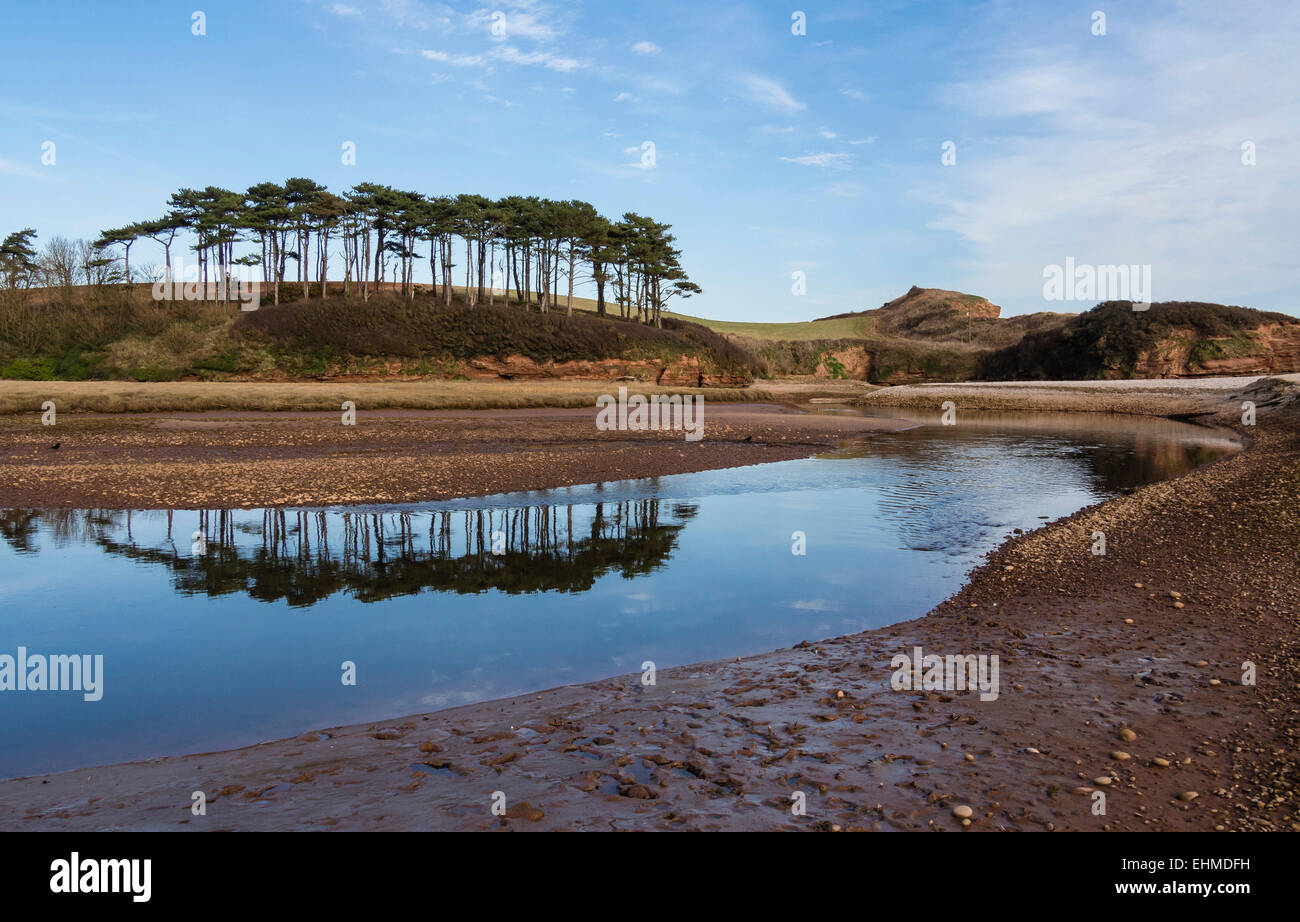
537	247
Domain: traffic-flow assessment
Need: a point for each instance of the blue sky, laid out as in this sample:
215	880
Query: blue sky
775	152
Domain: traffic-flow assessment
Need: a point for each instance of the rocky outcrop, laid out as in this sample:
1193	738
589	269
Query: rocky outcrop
685	371
852	362
925	300
1271	348
521	367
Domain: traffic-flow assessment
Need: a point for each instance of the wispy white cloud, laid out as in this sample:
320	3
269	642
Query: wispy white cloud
506	54
512	55
769	93
646	48
836	160
454	60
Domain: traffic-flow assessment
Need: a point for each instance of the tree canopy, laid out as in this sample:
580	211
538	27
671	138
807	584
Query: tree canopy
524	244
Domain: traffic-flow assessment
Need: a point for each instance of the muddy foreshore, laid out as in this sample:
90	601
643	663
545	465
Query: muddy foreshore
1120	674
243	459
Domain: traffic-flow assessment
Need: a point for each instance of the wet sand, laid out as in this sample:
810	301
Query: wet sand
1120	674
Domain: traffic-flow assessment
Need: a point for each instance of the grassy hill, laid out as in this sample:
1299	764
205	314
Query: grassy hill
848	327
925	334
116	333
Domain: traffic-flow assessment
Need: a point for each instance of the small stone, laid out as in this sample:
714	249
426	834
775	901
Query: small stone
1215	682
1159	762
1188	795
969	757
1175	595
1120	756
1200	663
1178	605
1128	620
1103	780
525	811
965	822
963	812
1127	735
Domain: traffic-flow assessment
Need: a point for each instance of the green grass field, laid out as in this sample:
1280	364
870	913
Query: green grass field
804	331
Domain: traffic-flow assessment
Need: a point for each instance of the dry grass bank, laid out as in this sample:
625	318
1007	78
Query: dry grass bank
192	396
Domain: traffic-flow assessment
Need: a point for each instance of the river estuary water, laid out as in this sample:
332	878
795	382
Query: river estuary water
222	628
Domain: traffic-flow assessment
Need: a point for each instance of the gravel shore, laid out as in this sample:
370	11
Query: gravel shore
242	459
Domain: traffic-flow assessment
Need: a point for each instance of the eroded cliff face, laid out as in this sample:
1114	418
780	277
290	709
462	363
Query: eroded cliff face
851	362
685	371
1271	348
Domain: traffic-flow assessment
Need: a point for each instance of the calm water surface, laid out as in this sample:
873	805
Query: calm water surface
242	640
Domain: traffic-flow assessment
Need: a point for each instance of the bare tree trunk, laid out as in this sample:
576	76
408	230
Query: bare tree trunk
571	258
469	260
527	295
322	260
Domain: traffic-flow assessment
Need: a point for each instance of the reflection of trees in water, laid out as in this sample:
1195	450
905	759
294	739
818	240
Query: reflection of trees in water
946	489
305	556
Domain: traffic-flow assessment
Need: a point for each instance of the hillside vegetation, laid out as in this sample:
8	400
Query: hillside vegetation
927	334
121	333
1176	338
